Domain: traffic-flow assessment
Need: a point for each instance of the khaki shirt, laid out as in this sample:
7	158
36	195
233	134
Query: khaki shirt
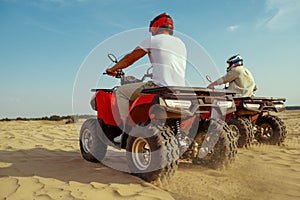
240	80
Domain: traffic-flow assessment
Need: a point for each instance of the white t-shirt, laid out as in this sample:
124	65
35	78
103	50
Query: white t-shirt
167	55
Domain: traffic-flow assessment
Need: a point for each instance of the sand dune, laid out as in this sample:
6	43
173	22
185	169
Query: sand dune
41	160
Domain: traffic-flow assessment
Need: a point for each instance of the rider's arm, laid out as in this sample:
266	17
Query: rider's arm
127	60
212	85
228	77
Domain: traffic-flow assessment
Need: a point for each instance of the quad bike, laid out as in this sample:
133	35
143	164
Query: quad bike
253	121
164	124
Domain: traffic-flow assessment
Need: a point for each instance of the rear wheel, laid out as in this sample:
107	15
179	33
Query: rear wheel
152	153
270	130
243	128
218	145
92	147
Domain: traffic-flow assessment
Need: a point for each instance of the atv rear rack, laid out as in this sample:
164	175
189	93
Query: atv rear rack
259	104
187	90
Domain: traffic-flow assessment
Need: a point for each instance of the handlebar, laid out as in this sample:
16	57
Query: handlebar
119	74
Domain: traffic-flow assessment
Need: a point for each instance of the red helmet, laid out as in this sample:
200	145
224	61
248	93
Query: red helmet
161	21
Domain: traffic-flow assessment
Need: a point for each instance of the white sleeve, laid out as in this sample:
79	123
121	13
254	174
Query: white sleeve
146	44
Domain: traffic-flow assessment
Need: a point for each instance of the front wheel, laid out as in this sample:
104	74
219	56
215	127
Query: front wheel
243	128
152	153
270	130
91	143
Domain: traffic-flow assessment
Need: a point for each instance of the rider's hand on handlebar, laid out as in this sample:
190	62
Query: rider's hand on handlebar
111	72
211	86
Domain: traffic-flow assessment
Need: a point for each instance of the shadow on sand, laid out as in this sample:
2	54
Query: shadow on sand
63	165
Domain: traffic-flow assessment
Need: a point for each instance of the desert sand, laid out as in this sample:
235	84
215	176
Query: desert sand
42	160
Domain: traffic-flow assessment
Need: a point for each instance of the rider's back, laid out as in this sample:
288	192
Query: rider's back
167	55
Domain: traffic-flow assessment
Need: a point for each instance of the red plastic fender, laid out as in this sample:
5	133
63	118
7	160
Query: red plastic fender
139	110
107	108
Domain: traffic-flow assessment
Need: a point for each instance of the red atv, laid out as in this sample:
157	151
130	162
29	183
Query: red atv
253	121
164	124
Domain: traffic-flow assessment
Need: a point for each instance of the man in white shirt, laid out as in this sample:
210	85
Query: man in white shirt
167	55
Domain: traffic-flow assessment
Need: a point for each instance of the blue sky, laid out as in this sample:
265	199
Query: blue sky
44	42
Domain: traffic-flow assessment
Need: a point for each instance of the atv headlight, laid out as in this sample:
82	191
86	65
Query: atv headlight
175	103
225	104
252	106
